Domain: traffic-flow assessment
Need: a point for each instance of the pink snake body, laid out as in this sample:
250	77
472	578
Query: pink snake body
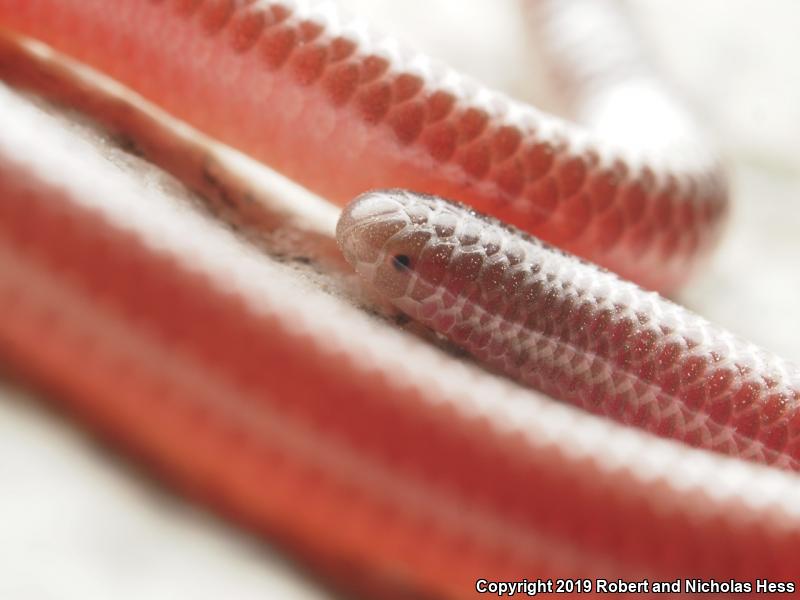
572	330
259	72
361	449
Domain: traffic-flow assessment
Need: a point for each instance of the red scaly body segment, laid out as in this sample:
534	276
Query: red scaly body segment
297	412
314	424
341	110
574	331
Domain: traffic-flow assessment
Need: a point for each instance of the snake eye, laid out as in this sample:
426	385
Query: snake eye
401	262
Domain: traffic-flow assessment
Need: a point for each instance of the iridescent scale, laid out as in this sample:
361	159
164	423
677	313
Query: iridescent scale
573	330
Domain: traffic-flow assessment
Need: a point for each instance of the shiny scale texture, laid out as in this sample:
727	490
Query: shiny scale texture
295	411
255	74
370	452
573	330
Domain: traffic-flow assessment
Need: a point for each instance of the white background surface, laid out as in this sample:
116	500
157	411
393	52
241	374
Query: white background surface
76	523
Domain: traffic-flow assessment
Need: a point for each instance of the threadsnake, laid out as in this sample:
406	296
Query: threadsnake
361	448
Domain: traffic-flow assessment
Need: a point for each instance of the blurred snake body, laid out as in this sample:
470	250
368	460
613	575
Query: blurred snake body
390	467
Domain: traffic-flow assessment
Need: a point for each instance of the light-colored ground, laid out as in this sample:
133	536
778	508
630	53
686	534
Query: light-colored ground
76	523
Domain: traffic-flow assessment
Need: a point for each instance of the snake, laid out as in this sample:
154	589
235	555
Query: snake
390	466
